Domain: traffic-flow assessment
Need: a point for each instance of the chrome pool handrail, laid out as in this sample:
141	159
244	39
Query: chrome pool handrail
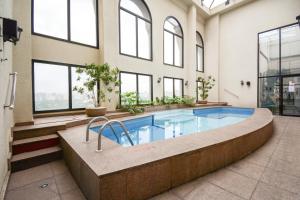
87	137
109	124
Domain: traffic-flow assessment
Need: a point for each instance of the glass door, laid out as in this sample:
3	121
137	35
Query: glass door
291	95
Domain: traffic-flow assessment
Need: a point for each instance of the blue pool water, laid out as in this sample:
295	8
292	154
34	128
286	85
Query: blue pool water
171	124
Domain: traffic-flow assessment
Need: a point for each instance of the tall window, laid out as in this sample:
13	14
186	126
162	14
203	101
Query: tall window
279	69
199	52
135	29
173	42
138	84
173	87
53	87
75	21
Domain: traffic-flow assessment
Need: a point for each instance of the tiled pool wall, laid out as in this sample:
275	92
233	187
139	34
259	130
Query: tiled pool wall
150	179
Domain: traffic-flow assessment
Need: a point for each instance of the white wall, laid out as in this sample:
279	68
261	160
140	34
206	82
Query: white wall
238	45
6	118
160	10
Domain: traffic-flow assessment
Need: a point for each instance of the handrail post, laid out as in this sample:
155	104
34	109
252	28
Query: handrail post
87	136
13	92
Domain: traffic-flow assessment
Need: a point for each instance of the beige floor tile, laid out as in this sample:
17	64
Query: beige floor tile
281	180
284	166
234	182
267	192
166	196
65	183
25	177
258	159
183	190
73	195
34	191
58	167
208	191
248	169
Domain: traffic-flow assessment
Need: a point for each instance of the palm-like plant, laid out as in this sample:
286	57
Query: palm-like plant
205	86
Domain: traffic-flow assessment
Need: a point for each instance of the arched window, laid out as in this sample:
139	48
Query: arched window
199	52
135	26
173	42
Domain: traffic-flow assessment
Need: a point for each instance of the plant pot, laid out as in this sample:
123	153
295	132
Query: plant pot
95	112
202	102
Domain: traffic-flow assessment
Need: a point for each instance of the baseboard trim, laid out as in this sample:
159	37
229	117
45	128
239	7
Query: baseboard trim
4	186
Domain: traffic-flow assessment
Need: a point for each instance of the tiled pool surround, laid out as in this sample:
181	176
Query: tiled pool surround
143	171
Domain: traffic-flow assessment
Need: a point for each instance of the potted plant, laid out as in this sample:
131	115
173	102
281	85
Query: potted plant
101	79
205	86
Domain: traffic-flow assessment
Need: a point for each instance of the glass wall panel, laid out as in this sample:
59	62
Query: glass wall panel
290	50
144	39
51	87
269	94
291	95
200	66
178	51
128	33
178	88
269	53
144	91
168	87
51	18
168	48
80	100
83	21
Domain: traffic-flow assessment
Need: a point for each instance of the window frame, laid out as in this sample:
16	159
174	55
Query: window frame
68	28
197	48
173	34
137	34
279	75
137	86
70	66
182	85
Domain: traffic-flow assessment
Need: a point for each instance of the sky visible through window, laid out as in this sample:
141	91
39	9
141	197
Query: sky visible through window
212	3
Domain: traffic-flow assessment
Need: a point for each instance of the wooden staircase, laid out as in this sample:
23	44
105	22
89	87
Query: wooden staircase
35	145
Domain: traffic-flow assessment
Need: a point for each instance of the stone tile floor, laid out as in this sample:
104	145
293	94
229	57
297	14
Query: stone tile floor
270	173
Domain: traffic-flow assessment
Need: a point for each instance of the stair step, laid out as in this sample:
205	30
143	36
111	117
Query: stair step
34	158
24	132
36	143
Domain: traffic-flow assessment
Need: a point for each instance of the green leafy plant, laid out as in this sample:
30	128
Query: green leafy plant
103	77
189	101
128	103
205	86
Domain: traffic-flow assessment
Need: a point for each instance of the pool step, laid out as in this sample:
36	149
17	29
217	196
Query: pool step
35	143
24	132
34	158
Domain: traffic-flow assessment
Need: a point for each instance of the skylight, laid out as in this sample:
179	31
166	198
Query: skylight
212	3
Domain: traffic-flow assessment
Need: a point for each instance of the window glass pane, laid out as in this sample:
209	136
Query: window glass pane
128	83
173	26
199	59
269	94
128	33
51	87
197	91
290	50
178	51
144	89
269	53
168	87
50	18
83	21
80	100
144	37
136	6
199	40
178	87
168	48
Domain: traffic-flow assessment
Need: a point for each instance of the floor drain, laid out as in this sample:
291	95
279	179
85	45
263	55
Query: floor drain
44	185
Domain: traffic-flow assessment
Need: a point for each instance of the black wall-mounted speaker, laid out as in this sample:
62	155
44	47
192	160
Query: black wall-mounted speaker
10	29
